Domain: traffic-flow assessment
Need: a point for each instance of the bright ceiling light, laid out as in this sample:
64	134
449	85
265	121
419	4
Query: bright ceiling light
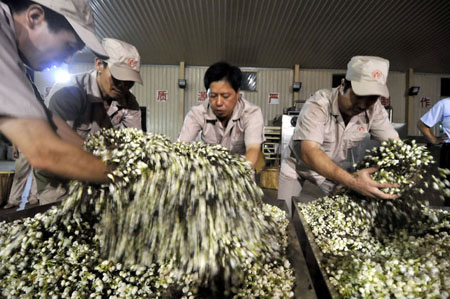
62	76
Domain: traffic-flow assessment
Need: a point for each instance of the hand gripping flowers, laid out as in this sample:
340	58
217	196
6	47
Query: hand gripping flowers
387	248
188	213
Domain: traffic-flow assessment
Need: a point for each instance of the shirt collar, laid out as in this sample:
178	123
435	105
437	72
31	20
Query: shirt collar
334	102
94	88
8	16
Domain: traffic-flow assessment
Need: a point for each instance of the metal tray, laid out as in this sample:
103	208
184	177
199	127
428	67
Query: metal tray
303	285
313	256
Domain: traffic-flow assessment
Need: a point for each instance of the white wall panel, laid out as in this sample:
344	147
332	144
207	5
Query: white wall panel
313	80
429	94
396	83
81	67
268	80
194	78
162	117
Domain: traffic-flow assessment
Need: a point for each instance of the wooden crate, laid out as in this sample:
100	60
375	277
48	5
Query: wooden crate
6	180
269	177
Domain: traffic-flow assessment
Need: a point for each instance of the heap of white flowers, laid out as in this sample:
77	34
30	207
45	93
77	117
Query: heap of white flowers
181	220
387	248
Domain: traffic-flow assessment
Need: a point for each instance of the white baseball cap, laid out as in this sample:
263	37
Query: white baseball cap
368	75
80	16
124	60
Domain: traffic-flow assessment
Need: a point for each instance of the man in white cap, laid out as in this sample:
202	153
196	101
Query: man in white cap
101	98
39	34
98	99
331	123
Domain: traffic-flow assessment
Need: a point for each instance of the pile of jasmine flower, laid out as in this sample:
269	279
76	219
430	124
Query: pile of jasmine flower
180	220
387	248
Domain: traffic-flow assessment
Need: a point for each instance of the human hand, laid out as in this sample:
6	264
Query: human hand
439	140
365	185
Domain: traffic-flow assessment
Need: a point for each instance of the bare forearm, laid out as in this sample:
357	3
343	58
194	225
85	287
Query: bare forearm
360	181
45	150
66	132
252	154
317	160
72	162
426	131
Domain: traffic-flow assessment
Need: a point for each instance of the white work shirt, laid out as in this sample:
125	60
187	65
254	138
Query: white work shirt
439	113
80	104
321	121
245	127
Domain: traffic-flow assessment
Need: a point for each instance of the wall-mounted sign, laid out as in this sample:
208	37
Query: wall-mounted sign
274	98
202	96
425	102
161	96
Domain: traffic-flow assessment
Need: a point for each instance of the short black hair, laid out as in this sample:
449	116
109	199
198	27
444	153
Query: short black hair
223	71
56	21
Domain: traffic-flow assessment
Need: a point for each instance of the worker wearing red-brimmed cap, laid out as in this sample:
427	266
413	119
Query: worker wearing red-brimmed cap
37	35
333	122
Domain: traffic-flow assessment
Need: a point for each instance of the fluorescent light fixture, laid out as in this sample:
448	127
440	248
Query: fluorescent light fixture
62	76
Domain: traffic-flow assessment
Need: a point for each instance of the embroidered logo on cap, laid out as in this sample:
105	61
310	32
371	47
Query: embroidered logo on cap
132	63
377	74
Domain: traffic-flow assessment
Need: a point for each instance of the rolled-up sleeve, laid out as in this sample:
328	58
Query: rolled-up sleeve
192	125
434	115
254	127
311	123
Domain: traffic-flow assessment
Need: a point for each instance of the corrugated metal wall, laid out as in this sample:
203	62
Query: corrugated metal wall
268	80
163	117
396	83
160	115
429	94
313	80
194	88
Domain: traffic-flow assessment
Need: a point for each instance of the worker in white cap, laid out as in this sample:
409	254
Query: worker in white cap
39	34
98	99
331	123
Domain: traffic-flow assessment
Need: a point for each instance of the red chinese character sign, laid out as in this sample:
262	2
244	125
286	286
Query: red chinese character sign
202	96
161	96
425	102
274	98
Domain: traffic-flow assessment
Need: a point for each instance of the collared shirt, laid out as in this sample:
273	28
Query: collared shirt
80	104
17	97
321	121
439	113
245	127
